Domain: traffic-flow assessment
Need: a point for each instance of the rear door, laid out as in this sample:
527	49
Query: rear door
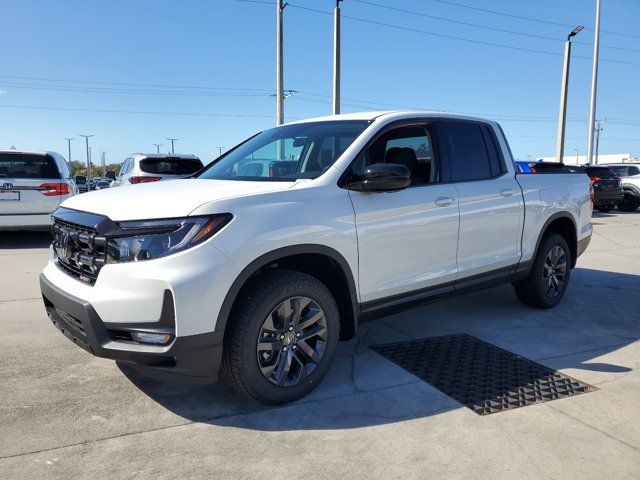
29	184
491	205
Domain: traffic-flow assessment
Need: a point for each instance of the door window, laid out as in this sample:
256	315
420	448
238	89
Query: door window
469	156
410	146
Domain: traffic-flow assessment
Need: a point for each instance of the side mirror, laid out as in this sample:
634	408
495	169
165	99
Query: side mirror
383	177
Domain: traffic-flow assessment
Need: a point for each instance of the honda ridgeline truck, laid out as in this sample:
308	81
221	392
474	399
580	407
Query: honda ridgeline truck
260	263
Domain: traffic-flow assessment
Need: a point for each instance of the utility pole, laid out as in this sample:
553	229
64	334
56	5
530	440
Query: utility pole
336	58
158	145
577	156
172	140
220	151
69	148
594	85
86	139
104	167
279	65
563	94
598	129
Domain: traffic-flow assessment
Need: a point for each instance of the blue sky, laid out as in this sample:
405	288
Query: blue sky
66	59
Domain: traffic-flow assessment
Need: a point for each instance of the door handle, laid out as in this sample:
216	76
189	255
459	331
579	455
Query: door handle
507	192
444	201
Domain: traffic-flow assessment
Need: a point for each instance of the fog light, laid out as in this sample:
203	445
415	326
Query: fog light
153	338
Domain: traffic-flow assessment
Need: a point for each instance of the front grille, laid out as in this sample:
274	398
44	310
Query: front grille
80	250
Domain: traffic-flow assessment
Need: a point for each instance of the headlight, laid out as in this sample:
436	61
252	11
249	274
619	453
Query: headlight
148	239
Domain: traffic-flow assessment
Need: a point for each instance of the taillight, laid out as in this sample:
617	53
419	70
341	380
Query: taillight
143	179
594	179
53	189
593	194
533	170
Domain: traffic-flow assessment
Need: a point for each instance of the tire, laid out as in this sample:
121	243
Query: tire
629	203
534	290
265	312
604	208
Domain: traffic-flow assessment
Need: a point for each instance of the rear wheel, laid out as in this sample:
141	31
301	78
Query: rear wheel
549	277
629	203
282	338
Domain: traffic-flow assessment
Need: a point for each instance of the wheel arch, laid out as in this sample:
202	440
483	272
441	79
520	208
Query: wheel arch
320	261
563	224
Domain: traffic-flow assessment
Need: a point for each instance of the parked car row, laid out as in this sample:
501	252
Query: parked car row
613	184
33	184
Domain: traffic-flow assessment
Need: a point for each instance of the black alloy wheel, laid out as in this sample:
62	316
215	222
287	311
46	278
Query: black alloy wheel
292	341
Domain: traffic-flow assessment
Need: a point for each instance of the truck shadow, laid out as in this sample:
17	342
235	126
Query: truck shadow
582	336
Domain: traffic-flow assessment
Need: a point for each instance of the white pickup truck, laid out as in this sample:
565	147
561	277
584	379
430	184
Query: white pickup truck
259	264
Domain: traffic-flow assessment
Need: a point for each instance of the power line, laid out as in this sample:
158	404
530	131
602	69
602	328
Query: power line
139	112
453	37
82	89
485	27
270	90
531	19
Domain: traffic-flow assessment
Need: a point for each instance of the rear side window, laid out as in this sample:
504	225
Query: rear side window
468	153
622	171
23	165
634	171
170	166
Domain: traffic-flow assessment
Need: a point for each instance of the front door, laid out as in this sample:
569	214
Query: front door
407	240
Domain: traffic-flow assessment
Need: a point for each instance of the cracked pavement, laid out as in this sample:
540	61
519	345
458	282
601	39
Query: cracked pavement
66	414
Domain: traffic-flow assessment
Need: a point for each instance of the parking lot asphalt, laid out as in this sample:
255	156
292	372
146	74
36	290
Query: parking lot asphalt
66	414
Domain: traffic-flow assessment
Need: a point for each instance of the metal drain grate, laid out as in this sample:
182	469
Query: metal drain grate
481	376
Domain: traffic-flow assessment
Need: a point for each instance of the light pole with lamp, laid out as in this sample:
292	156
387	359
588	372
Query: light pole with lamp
562	118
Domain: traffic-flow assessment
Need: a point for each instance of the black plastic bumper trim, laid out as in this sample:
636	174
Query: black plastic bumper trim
193	355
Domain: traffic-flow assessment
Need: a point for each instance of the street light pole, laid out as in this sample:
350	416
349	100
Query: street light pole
69	148
594	84
172	140
279	67
577	156
336	58
562	118
219	151
157	145
86	139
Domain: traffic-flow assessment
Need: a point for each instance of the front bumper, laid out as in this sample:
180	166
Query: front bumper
194	355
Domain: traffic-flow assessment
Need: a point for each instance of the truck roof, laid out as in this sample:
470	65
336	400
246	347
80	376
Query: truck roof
393	115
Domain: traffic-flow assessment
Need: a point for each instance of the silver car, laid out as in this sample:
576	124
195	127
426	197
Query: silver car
151	167
32	185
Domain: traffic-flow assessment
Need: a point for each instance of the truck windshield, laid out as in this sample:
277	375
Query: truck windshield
287	153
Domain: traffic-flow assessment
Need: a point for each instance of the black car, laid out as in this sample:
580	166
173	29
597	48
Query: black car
81	183
607	185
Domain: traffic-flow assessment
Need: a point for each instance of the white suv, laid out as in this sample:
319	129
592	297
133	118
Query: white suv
291	239
32	185
152	167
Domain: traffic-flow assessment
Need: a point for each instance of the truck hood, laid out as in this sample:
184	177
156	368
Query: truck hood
170	199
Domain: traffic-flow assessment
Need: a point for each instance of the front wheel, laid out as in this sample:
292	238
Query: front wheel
549	277
283	337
